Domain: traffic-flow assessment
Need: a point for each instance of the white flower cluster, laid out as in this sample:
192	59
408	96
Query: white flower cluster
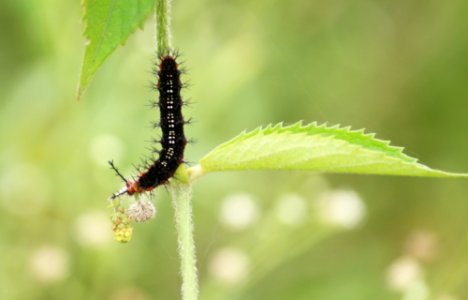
141	211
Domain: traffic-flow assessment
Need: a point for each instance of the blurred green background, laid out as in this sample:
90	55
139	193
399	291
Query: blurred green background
398	68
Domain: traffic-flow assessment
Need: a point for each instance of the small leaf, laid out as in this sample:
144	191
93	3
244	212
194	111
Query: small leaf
109	23
315	148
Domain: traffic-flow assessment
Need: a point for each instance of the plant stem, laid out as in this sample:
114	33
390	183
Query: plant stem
182	201
181	190
163	22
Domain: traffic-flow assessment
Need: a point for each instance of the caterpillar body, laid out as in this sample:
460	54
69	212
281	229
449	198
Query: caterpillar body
173	139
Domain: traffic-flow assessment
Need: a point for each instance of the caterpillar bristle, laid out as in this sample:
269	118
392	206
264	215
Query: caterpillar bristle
149	148
188	121
184	71
155	141
187	85
149	103
175	54
155	71
113	167
188	163
155	124
149	86
137	168
188	103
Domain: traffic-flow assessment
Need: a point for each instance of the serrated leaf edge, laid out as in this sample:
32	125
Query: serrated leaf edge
298	127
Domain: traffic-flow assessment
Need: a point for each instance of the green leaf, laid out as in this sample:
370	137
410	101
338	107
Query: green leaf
109	23
315	148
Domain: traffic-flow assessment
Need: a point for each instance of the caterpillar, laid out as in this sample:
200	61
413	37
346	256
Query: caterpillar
173	139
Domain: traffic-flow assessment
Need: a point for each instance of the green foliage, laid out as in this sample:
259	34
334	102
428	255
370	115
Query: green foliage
315	148
398	67
109	23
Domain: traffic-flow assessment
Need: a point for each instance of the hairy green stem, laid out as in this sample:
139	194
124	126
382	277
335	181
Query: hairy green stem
163	22
182	201
180	189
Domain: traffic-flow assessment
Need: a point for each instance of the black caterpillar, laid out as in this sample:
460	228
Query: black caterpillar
173	140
